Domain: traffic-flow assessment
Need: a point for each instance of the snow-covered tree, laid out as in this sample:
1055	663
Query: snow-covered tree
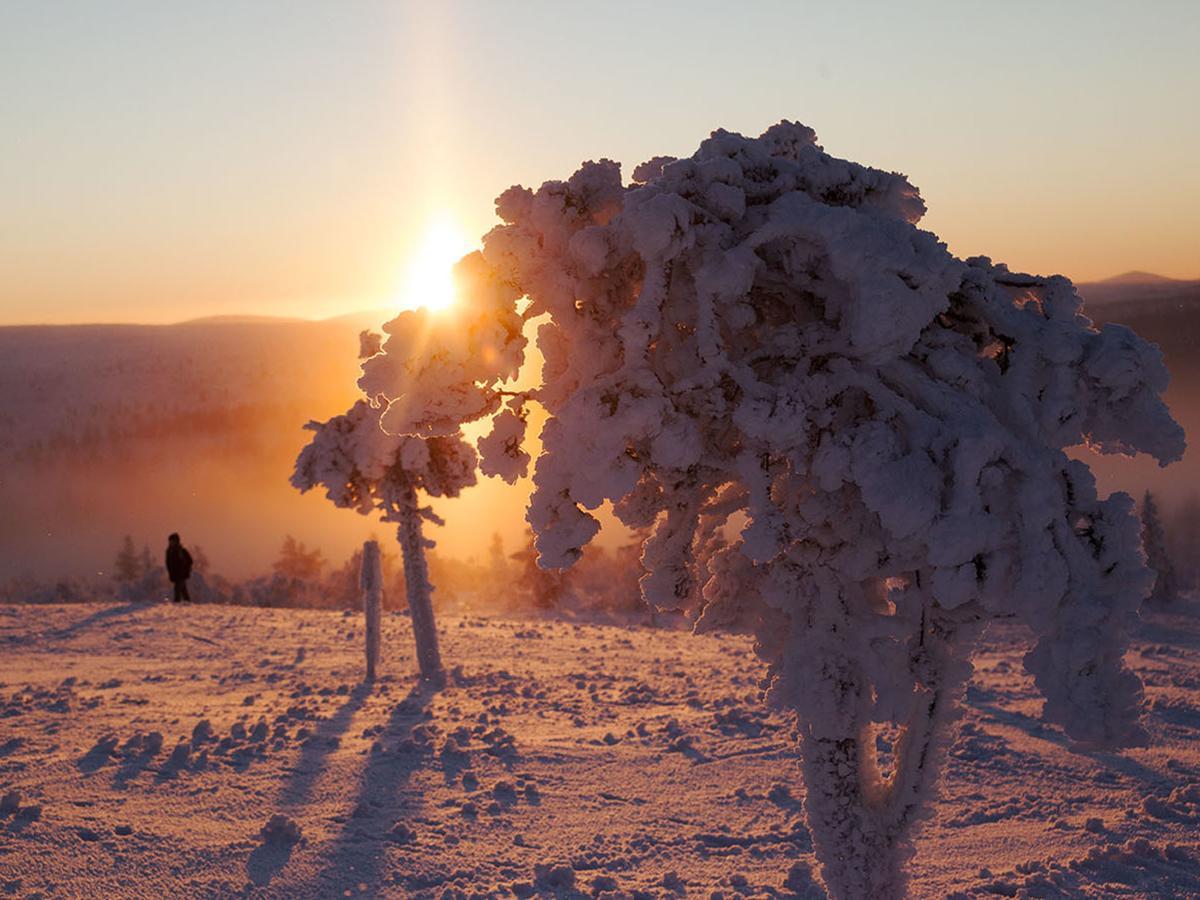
422	387
200	561
146	559
297	561
1158	558
127	567
498	567
760	333
544	587
364	469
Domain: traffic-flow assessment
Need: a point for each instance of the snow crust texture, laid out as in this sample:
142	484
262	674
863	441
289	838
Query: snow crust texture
760	338
234	752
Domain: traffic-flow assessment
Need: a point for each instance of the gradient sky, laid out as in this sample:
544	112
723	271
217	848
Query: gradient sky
166	160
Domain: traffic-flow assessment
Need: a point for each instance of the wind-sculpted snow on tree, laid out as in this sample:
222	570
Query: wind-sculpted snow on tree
760	335
423	386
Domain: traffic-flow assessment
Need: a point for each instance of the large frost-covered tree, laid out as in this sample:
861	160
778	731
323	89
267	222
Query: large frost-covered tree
845	438
423	383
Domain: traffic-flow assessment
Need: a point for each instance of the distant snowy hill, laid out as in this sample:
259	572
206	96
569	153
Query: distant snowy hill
93	386
109	430
1137	277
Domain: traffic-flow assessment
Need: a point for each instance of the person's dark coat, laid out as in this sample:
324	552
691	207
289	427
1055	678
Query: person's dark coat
179	562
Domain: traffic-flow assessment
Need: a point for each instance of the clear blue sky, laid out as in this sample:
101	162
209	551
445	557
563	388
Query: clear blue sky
163	160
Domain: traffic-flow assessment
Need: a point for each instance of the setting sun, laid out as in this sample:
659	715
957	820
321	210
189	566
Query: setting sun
428	279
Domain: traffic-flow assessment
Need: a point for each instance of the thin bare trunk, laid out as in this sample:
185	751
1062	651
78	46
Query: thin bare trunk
371	582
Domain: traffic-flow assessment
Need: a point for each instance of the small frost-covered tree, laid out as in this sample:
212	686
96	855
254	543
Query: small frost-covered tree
422	384
544	587
497	559
364	469
127	567
1183	537
146	560
139	579
1158	558
298	562
760	334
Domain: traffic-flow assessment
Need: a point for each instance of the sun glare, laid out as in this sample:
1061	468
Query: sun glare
428	280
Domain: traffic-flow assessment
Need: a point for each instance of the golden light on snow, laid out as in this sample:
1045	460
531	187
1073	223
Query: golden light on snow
428	279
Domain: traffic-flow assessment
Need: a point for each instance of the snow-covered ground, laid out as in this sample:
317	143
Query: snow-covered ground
145	749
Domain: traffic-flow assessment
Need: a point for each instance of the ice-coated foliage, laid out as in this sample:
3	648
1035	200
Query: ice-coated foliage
759	339
361	467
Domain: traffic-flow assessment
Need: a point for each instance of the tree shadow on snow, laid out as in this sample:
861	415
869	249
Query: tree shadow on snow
1035	728
322	742
357	855
1174	628
270	857
101	615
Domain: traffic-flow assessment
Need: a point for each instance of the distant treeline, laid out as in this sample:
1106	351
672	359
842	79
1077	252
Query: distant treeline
603	582
249	425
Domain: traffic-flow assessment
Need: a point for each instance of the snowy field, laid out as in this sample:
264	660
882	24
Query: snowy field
144	749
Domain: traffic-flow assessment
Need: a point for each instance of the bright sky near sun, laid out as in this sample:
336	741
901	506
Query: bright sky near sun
163	161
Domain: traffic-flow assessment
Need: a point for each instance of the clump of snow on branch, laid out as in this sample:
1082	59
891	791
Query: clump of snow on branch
364	468
759	333
501	449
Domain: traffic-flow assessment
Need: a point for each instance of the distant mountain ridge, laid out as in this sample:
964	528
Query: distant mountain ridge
236	319
1137	276
367	318
1141	289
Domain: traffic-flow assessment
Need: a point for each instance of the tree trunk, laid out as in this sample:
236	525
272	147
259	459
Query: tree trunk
371	582
416	582
863	825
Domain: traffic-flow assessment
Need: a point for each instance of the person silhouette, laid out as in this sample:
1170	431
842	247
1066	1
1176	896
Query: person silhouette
179	567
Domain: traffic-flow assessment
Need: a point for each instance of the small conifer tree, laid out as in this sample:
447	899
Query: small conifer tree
1158	557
